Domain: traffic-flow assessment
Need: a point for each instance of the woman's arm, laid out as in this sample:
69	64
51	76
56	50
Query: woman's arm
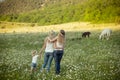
53	40
44	45
64	43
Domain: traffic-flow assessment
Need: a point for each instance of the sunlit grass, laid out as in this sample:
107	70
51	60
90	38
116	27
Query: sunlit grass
12	27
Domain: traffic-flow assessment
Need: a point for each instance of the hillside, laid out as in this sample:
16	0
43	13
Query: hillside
19	6
47	12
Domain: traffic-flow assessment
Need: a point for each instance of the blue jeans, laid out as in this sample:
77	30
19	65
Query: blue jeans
48	57
57	57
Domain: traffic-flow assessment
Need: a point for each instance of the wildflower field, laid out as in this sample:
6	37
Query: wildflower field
83	59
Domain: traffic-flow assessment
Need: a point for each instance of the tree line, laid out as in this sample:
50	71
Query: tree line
46	12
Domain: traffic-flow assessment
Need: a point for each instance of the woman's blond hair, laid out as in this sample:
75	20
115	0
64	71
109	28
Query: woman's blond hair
51	34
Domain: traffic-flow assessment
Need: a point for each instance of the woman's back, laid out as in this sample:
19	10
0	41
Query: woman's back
60	40
58	44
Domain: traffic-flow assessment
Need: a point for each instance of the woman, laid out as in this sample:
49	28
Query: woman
48	56
58	49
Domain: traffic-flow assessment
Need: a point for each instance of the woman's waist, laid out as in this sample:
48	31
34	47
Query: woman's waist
58	49
49	49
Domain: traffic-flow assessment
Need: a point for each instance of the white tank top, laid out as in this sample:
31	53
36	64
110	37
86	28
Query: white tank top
49	47
34	59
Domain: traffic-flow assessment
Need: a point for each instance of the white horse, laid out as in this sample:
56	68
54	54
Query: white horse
105	34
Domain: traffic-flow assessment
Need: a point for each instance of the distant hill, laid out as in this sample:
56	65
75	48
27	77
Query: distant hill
46	12
19	6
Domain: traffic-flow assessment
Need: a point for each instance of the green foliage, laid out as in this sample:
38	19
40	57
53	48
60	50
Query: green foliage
46	12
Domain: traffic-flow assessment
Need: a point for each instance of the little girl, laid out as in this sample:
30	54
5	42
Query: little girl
34	61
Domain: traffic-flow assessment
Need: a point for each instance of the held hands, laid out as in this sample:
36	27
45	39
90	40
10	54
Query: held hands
33	52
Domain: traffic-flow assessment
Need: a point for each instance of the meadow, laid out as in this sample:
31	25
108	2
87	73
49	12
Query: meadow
83	59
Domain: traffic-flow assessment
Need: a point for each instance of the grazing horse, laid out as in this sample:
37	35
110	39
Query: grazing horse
86	34
105	34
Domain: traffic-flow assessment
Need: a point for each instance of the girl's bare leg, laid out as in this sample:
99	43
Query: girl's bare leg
31	71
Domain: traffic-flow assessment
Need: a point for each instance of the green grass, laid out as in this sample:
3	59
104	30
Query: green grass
85	59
